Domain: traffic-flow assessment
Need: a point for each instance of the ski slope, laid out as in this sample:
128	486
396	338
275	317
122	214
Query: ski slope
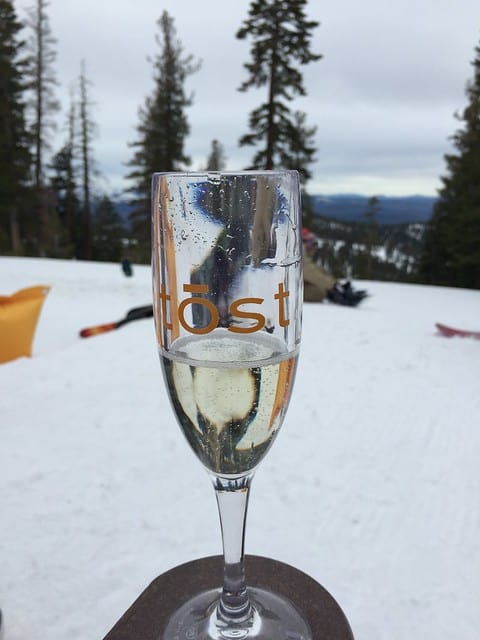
372	486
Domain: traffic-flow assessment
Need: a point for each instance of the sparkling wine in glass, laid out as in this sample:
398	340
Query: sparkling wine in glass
228	290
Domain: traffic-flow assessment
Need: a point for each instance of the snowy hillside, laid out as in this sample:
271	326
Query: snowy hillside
372	486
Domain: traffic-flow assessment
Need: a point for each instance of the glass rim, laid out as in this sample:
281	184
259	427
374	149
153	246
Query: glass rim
246	172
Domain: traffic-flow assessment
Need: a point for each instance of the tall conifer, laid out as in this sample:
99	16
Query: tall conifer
163	126
281	43
451	254
216	160
63	183
108	232
14	140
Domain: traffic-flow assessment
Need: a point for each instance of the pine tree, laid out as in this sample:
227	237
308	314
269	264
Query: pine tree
163	127
308	210
216	160
302	149
63	188
451	254
371	233
14	140
63	183
281	41
108	232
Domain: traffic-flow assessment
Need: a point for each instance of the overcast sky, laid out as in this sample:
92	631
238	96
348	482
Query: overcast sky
383	97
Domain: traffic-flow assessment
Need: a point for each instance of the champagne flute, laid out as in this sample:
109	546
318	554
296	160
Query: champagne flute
228	290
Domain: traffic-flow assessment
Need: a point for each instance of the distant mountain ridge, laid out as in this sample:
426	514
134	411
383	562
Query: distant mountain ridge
391	209
352	208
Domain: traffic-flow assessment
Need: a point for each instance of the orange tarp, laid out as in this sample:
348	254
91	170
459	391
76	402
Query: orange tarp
18	320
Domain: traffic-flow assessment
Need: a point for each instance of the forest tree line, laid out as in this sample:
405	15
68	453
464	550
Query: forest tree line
47	202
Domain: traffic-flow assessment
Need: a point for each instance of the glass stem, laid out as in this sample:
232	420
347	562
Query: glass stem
232	499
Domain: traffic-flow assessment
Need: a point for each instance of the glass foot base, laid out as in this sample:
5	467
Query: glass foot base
274	618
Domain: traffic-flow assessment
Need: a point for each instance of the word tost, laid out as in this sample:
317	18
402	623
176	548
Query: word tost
235	309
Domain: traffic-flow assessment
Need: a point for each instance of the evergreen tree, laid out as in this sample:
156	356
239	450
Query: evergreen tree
108	232
371	234
64	186
216	160
451	254
281	36
14	140
308	210
163	127
302	149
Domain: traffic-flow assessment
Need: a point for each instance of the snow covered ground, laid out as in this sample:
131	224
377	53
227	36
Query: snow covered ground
372	487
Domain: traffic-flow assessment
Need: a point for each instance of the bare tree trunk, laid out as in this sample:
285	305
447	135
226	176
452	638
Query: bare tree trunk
39	97
41	82
15	232
85	127
272	91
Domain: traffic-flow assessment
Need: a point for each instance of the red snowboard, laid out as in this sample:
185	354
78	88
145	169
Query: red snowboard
450	332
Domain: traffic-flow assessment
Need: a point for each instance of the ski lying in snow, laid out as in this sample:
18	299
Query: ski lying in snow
133	314
451	332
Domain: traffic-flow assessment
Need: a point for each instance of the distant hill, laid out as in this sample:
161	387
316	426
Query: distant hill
391	210
352	208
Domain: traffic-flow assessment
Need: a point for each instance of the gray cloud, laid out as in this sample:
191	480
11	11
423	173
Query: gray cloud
382	97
